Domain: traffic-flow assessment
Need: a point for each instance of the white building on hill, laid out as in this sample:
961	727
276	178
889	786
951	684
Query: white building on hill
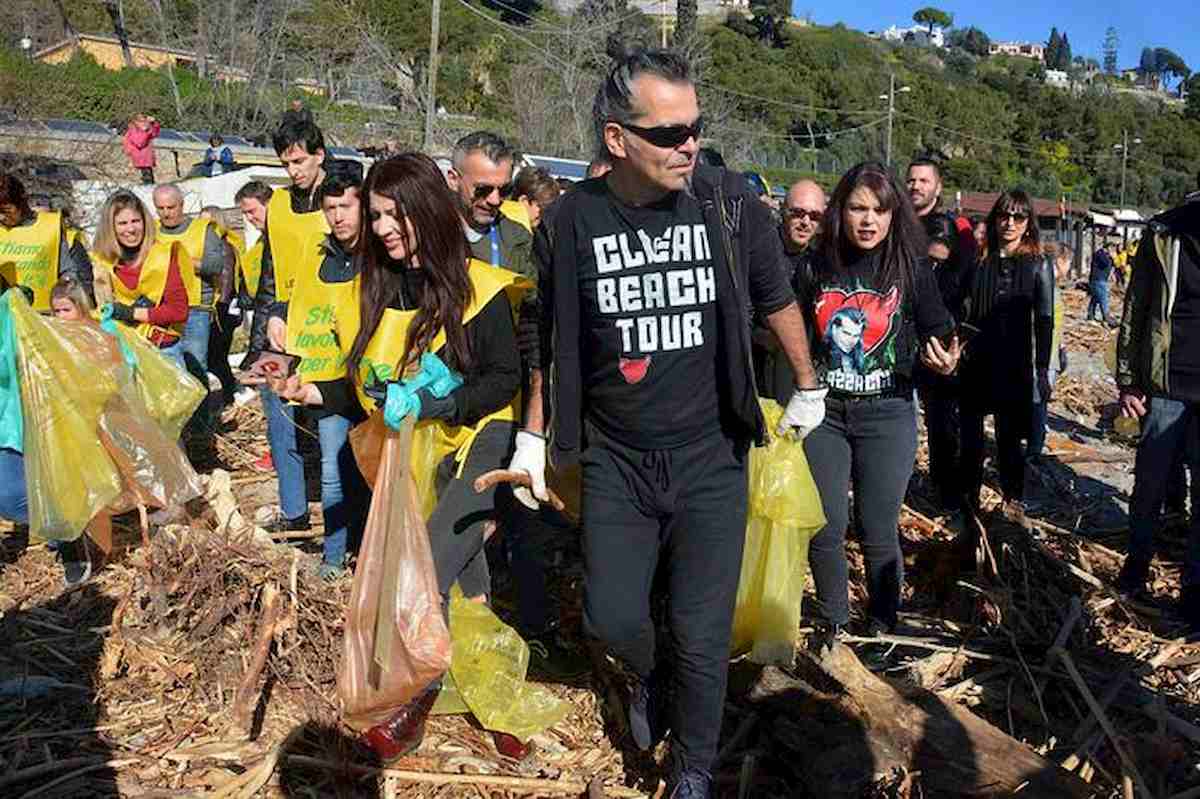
916	34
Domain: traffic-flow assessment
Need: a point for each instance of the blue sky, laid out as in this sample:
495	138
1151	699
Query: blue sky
1159	23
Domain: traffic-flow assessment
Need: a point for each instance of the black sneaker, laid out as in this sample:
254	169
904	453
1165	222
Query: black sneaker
645	712
1131	582
875	656
826	635
691	783
282	525
550	660
77	561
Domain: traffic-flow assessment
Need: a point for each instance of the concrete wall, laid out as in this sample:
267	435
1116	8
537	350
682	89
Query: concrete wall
108	54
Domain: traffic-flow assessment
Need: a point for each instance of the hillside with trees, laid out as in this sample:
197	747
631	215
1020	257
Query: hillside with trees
784	98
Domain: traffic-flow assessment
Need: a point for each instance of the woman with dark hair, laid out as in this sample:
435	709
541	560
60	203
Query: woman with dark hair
1010	299
534	188
875	305
423	297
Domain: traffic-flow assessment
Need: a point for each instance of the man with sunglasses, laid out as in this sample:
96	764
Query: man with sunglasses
951	256
481	176
803	211
647	277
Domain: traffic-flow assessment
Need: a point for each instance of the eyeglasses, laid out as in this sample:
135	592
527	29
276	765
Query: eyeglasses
667	135
484	190
1016	217
800	214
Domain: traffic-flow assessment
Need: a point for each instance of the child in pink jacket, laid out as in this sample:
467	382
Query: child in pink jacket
139	145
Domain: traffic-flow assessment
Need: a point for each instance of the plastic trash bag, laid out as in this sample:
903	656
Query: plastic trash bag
487	675
396	640
91	444
12	426
784	513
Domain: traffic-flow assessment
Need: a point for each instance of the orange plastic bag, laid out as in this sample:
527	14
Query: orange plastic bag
396	640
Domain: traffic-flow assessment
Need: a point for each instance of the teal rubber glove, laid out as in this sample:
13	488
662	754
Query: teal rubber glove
402	399
109	325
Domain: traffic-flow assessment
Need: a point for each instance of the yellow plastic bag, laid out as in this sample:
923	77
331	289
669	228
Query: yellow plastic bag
785	512
487	674
169	394
90	442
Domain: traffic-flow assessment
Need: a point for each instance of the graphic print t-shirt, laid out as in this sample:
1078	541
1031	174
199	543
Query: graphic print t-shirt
858	328
649	327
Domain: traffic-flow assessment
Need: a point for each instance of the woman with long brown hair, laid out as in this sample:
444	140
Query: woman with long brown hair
875	306
421	294
1010	300
146	274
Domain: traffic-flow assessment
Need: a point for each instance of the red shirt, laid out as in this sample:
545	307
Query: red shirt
172	308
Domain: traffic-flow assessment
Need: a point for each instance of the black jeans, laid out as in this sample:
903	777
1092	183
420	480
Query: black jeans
939	395
869	445
147	173
456	524
1011	424
220	338
687	507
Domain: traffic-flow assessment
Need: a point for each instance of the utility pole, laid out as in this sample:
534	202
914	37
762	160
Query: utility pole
431	105
1124	148
891	115
662	10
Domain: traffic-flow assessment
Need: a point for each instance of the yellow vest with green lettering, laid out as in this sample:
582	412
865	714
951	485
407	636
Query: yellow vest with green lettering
192	240
312	310
252	260
433	439
33	251
152	282
291	235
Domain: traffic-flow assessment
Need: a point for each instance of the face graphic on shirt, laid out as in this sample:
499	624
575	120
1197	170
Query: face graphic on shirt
858	329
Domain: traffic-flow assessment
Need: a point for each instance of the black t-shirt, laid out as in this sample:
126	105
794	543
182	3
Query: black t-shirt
649	320
867	337
1184	358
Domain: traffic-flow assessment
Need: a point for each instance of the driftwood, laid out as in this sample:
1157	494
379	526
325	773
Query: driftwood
847	728
244	703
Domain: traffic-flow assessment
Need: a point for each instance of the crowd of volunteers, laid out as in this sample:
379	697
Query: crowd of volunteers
629	330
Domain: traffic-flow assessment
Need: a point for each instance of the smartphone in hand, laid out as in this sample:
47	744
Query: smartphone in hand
273	363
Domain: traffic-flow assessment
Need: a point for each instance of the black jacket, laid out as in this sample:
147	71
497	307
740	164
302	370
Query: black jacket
750	274
1011	301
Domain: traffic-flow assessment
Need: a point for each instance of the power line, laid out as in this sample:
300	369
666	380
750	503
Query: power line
512	32
998	142
786	104
802	137
546	27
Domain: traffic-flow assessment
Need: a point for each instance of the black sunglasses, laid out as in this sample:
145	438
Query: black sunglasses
803	213
667	135
484	190
1012	216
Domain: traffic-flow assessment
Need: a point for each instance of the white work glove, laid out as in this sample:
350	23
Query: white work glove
530	457
804	411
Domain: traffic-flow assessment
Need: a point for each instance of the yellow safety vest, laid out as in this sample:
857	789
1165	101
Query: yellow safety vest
75	236
252	262
434	439
312	310
192	239
152	281
33	251
291	235
238	243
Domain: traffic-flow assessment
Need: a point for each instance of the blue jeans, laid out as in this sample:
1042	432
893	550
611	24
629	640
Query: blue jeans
14	499
289	465
1168	433
344	493
1099	292
194	343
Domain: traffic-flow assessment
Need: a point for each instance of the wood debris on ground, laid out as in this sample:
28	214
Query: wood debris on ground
148	681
